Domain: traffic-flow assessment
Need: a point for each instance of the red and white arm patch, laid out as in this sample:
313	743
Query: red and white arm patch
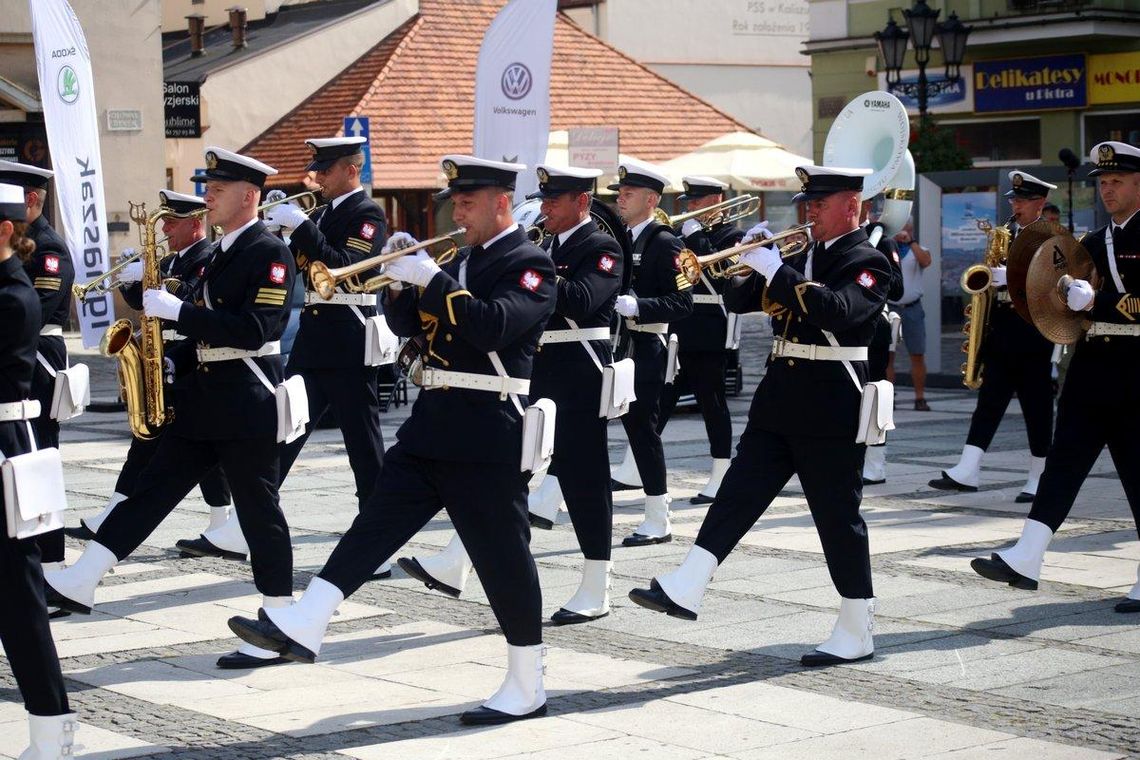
51	264
367	230
606	263
530	280
277	272
866	279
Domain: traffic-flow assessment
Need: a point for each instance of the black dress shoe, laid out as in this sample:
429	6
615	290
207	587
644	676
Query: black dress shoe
240	661
1128	605
637	539
996	569
568	617
818	659
412	567
201	547
702	499
1024	498
619	486
947	483
485	716
81	532
654	598
539	522
56	599
869	482
265	634
57	613
383	575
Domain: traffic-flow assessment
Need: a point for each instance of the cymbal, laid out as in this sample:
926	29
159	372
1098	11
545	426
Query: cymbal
1058	256
1021	251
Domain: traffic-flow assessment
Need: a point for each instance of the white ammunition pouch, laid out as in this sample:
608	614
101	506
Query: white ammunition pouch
72	390
34	496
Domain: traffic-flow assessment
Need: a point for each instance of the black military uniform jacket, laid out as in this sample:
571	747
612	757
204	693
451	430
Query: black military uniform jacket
707	327
663	294
509	296
248	289
187	268
20	316
332	335
589	269
844	296
52	274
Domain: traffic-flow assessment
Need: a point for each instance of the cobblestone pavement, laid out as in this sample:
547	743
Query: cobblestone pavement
962	668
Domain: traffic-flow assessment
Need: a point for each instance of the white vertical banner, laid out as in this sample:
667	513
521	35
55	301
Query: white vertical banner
512	88
67	91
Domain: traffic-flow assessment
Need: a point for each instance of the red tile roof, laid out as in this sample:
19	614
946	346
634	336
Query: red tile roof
417	86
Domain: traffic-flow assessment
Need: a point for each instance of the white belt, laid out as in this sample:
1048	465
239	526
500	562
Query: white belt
657	328
207	355
473	381
1003	296
1112	328
341	299
28	409
573	336
813	352
710	298
169	335
52	330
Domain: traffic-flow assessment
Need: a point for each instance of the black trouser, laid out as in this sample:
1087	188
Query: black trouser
487	505
47	429
215	489
1017	359
582	465
640	422
703	373
831	473
250	466
352	396
1098	407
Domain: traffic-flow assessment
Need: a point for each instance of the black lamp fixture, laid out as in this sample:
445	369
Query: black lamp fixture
922	25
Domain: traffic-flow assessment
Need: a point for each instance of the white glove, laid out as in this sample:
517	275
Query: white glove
763	260
415	269
127	253
285	215
999	280
398	241
132	272
168	370
757	230
159	303
1080	295
626	306
690	226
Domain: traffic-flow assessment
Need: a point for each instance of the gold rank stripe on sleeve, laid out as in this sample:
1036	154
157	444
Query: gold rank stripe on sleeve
271	296
47	283
450	308
1129	306
803	286
359	245
683	282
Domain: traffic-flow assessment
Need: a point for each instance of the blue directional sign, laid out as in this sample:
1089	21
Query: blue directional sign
200	187
357	126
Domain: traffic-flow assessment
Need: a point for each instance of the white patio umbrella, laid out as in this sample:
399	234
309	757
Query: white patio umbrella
746	161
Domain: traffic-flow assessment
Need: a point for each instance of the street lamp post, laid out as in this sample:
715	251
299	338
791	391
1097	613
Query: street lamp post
922	21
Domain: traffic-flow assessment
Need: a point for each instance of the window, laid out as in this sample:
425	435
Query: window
993	143
1122	126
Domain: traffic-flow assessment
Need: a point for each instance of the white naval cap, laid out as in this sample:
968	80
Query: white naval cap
24	175
1025	185
821	181
181	203
12	206
225	165
635	173
698	186
470	173
556	180
327	150
1114	156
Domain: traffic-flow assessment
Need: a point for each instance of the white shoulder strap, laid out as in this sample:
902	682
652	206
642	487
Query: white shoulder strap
1112	259
496	362
256	370
44	363
846	364
586	344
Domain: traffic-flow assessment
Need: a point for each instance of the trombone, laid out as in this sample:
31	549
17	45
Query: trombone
309	194
725	212
325	280
726	263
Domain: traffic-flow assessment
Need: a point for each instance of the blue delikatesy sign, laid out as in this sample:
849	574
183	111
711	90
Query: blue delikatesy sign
1031	84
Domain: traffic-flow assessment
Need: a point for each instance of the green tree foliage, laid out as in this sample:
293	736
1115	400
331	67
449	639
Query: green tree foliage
935	149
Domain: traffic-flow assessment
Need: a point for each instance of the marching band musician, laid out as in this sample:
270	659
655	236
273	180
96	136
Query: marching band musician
704	338
1098	405
659	294
329	351
52	273
227	412
805	414
461	448
186	239
24	628
1017	359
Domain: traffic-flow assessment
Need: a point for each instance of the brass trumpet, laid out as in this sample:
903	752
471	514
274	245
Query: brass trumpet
726	263
325	280
725	212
